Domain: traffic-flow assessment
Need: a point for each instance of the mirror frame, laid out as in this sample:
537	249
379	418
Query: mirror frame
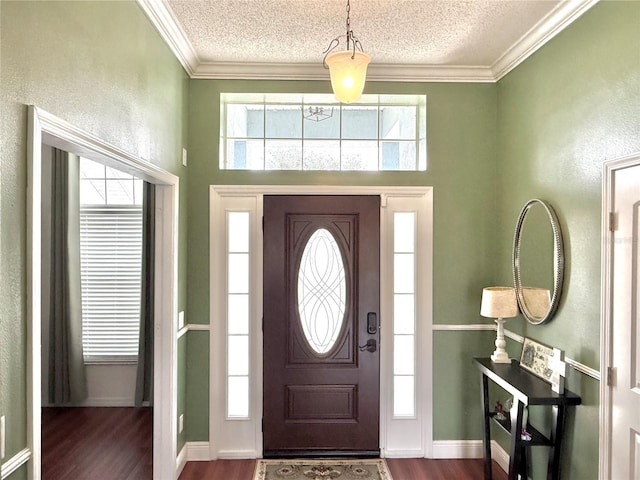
558	262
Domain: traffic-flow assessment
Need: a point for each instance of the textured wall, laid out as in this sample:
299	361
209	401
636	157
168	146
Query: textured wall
461	136
562	113
543	131
102	67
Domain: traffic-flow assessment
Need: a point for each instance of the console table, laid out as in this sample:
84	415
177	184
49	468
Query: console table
527	389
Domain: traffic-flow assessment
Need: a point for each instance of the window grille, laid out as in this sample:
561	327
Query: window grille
314	132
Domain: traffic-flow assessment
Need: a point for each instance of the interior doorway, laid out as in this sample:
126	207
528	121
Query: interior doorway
46	129
620	335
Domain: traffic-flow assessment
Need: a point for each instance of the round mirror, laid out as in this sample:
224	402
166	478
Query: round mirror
538	261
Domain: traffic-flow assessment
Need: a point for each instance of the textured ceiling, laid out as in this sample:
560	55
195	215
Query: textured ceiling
422	34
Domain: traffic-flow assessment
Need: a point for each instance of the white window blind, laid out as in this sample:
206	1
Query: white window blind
111	257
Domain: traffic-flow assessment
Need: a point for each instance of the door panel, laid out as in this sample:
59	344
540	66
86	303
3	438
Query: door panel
626	331
321	280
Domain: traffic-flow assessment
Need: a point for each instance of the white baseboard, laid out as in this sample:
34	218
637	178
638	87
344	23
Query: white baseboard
200	452
457	449
470	449
181	460
402	453
500	455
109	402
238	454
197	451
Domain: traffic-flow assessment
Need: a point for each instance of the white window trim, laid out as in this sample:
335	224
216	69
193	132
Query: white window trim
243	438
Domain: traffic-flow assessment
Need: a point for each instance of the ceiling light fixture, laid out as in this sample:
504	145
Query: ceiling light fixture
347	68
318	114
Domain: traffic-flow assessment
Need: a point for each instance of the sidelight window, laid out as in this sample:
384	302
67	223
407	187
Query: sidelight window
238	276
404	318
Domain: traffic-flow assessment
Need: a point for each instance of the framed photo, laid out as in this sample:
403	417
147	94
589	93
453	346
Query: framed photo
538	359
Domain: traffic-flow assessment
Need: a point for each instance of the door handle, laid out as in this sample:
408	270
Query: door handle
370	346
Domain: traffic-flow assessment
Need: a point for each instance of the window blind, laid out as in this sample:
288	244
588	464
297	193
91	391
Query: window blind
110	262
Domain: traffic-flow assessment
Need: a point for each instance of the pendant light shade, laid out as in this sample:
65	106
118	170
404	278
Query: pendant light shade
347	68
348	71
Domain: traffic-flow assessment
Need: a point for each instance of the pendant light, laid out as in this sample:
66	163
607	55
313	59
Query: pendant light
347	68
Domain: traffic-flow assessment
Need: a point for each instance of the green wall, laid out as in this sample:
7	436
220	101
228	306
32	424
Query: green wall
561	114
461	137
102	67
542	131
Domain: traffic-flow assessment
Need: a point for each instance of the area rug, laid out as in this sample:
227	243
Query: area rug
325	469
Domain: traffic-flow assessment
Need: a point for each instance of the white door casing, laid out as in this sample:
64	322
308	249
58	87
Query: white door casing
620	390
399	437
45	128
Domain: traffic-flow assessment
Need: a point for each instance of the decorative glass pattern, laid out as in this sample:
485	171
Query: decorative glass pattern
321	291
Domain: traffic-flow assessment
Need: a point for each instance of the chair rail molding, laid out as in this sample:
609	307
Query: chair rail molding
459	327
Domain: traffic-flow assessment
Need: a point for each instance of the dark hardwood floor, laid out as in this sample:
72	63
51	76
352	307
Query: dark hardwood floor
401	469
97	443
116	444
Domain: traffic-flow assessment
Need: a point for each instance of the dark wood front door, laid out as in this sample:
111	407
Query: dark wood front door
321	335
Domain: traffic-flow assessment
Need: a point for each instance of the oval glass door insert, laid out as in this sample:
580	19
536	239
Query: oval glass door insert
321	291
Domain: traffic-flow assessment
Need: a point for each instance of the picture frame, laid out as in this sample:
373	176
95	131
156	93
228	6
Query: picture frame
537	358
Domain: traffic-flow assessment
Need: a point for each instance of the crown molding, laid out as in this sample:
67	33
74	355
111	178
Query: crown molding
170	30
315	71
557	20
172	33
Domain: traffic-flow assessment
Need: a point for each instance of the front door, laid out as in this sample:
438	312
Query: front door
321	334
625	394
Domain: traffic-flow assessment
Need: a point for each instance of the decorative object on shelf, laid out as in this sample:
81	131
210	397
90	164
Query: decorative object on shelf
512	406
538	261
559	368
545	362
501	413
347	68
318	114
499	303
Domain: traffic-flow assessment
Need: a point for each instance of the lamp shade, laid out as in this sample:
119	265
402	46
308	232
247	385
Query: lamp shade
347	74
499	302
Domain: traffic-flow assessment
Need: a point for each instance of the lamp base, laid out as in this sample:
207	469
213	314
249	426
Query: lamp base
500	357
500	354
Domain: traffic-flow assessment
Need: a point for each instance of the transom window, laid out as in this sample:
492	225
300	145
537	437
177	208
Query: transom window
315	132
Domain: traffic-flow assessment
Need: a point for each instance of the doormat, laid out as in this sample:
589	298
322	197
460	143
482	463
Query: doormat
325	469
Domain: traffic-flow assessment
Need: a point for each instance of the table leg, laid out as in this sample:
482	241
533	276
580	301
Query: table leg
516	440
486	437
557	430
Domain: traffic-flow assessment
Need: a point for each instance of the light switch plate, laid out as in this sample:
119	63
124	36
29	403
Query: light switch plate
184	157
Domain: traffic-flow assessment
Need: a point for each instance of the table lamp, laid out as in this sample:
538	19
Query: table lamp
499	303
